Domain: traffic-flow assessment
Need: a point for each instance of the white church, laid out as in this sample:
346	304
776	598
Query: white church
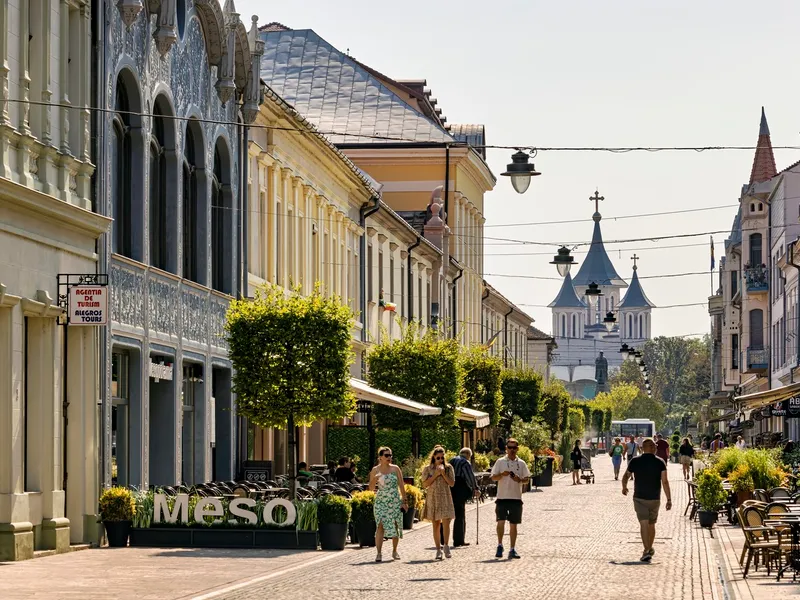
579	330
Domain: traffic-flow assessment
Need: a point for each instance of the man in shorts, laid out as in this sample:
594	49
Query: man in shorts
510	473
651	475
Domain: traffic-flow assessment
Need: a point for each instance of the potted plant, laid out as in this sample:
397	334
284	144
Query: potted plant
742	483
363	504
333	514
675	445
116	512
711	496
414	500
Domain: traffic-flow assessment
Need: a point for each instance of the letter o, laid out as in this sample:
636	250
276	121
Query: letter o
291	512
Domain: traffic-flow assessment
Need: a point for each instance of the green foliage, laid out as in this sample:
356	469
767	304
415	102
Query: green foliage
398	441
598	416
291	355
350	442
526	455
522	391
763	467
644	407
363	504
726	460
482	381
608	417
413	496
710	493
586	409
117	504
553	397
143	511
411	465
424	368
481	462
564	449
741	480
675	442
534	435
576	423
308	513
333	509
449	439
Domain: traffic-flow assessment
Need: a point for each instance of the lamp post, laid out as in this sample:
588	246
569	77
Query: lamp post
592	294
520	171
609	321
625	352
563	261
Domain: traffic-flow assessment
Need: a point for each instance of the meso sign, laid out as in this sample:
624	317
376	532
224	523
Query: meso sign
212	507
88	305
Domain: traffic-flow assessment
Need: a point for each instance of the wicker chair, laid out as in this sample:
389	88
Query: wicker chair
760	541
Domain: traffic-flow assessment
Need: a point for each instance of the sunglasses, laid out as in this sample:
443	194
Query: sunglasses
512	447
440	457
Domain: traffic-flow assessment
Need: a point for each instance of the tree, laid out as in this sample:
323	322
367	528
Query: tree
291	358
644	407
619	399
522	392
576	423
483	381
598	417
426	368
533	434
553	397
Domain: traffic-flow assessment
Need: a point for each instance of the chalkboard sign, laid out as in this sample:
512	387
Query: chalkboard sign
256	470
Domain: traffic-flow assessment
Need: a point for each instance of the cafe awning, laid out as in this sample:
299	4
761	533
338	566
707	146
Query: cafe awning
363	391
767	397
725	417
480	418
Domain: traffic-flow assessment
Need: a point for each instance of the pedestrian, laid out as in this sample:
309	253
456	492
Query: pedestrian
639	439
465	488
686	452
717	444
330	471
617	450
437	479
510	473
631	448
740	443
343	473
386	480
662	448
576	456
651	475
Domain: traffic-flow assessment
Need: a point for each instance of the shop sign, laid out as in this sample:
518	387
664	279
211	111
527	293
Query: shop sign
160	371
757	415
748	424
793	407
778	409
88	305
212	507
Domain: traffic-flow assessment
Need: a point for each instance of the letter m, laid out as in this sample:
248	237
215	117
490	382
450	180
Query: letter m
180	508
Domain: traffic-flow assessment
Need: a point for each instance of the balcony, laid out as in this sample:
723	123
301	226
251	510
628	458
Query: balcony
716	305
756	279
757	360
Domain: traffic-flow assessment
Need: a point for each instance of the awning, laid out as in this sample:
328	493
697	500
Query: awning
480	418
725	417
364	392
767	397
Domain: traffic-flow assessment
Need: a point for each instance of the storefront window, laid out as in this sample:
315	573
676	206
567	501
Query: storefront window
120	418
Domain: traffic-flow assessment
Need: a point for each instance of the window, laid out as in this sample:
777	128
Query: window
563	325
641	328
315	250
380	272
734	283
290	247
370	275
193	209
221	221
574	326
420	314
121	174
755	250
391	290
734	351
756	328
428	301
278	244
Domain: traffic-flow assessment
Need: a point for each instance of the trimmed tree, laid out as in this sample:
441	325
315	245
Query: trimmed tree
424	368
553	397
522	392
291	357
482	381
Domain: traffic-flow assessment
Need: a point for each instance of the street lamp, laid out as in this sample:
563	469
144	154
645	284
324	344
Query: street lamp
609	321
642	366
520	171
563	261
625	352
592	294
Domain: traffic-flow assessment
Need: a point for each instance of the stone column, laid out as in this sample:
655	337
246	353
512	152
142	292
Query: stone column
4	69
64	76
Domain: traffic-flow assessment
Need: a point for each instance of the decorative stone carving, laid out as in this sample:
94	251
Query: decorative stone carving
194	315
252	92
217	312
4	91
129	9
226	85
167	33
127	296
163	305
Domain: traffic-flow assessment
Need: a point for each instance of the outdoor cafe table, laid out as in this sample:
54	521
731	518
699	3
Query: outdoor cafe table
792	519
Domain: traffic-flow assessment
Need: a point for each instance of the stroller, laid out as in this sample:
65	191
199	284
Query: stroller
587	473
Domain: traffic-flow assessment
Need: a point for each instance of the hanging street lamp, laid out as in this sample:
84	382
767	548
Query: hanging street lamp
609	321
642	366
563	261
592	294
520	171
625	352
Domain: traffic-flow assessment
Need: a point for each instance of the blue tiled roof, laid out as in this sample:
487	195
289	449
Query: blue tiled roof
735	238
635	297
567	298
597	266
346	102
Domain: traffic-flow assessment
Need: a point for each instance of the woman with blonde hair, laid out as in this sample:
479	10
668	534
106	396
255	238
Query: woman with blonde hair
386	480
437	479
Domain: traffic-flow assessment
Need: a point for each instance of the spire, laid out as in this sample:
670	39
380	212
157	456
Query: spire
763	161
567	297
635	297
597	266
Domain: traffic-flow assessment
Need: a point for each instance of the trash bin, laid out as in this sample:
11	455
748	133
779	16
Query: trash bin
545	477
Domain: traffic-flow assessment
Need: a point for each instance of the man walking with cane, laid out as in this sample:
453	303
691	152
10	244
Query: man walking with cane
465	488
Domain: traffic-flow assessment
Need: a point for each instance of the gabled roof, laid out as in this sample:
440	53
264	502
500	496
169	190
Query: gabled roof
763	161
343	99
567	298
635	297
597	266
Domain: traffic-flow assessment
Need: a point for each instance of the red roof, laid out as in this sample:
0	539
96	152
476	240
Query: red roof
274	26
763	161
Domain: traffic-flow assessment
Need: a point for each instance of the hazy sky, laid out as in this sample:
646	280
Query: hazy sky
589	73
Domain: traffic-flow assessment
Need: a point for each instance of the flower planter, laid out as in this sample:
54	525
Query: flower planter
707	518
408	518
223	537
365	530
742	497
333	536
117	533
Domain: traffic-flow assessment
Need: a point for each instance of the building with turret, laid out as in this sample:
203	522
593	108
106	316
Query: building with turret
578	328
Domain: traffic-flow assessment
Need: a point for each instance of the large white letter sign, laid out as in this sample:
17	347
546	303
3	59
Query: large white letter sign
242	513
201	511
291	513
161	506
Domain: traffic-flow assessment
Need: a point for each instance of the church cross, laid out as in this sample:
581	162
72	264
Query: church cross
597	198
634	258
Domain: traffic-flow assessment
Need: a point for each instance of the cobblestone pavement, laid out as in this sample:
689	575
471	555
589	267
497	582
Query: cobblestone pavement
576	542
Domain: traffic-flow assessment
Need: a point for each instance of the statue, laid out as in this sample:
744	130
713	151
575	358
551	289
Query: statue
601	372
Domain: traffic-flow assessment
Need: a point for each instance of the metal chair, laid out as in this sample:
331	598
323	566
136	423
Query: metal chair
761	496
780	493
759	540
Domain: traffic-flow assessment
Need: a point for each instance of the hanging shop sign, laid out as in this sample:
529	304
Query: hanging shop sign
778	409
212	507
84	298
757	415
793	407
748	424
160	371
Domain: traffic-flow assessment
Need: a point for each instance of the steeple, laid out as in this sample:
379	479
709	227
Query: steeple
635	298
567	298
763	161
597	266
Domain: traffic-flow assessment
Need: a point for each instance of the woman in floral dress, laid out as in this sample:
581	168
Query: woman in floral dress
437	479
386	480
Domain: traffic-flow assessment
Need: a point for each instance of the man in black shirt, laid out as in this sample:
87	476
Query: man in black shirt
651	474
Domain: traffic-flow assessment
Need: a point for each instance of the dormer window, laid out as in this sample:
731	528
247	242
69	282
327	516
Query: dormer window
752	207
760	207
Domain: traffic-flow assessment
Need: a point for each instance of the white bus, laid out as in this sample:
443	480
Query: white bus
633	427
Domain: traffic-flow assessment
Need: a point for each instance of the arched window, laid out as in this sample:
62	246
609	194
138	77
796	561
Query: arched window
641	328
563	326
575	326
163	190
631	331
194	206
221	220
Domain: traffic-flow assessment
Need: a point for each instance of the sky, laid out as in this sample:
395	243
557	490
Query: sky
593	74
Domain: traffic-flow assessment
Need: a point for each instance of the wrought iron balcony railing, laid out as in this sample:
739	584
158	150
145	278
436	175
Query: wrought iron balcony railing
756	279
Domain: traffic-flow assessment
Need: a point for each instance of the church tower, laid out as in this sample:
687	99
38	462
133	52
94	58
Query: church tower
635	311
569	312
